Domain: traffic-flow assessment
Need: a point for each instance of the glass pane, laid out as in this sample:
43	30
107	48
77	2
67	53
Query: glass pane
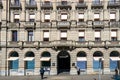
17	2
81	64
30	64
14	35
113	65
30	35
95	64
45	63
14	64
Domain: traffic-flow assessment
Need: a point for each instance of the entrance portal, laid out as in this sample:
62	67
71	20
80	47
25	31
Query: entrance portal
63	60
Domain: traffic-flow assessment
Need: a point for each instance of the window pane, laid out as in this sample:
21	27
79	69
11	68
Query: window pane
81	39
113	65
14	64
14	35
30	64
45	63
81	64
30	35
95	64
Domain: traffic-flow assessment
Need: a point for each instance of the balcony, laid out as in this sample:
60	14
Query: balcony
81	44
45	44
15	43
14	25
98	24
97	4
46	24
1	5
47	5
96	43
30	44
81	5
15	6
29	25
114	24
64	5
63	24
81	24
31	5
113	4
61	43
113	43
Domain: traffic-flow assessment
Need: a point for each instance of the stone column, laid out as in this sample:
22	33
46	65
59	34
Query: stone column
37	64
73	59
21	63
106	63
53	70
89	63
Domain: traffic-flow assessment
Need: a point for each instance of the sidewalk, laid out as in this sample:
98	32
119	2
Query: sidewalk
58	77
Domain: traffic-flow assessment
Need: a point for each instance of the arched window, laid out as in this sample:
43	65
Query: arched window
46	54
96	63
29	60
13	60
81	60
29	54
45	59
114	59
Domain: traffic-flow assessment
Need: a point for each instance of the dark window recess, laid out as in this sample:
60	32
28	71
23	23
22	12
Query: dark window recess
81	1
45	39
97	19
114	38
17	2
47	20
47	2
14	35
31	20
97	39
63	38
64	2
112	19
32	2
81	39
16	20
81	20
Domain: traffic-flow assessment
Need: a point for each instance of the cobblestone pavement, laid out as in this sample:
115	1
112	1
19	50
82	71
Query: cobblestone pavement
59	77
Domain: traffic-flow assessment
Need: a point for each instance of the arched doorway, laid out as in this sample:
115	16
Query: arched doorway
63	62
13	63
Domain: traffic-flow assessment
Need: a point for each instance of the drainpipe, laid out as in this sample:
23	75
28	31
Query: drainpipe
6	70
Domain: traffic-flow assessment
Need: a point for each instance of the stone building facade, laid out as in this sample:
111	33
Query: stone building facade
60	36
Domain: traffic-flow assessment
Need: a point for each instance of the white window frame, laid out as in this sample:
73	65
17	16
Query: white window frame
16	16
81	15
96	16
46	34
114	33
97	34
112	15
47	16
63	34
64	16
